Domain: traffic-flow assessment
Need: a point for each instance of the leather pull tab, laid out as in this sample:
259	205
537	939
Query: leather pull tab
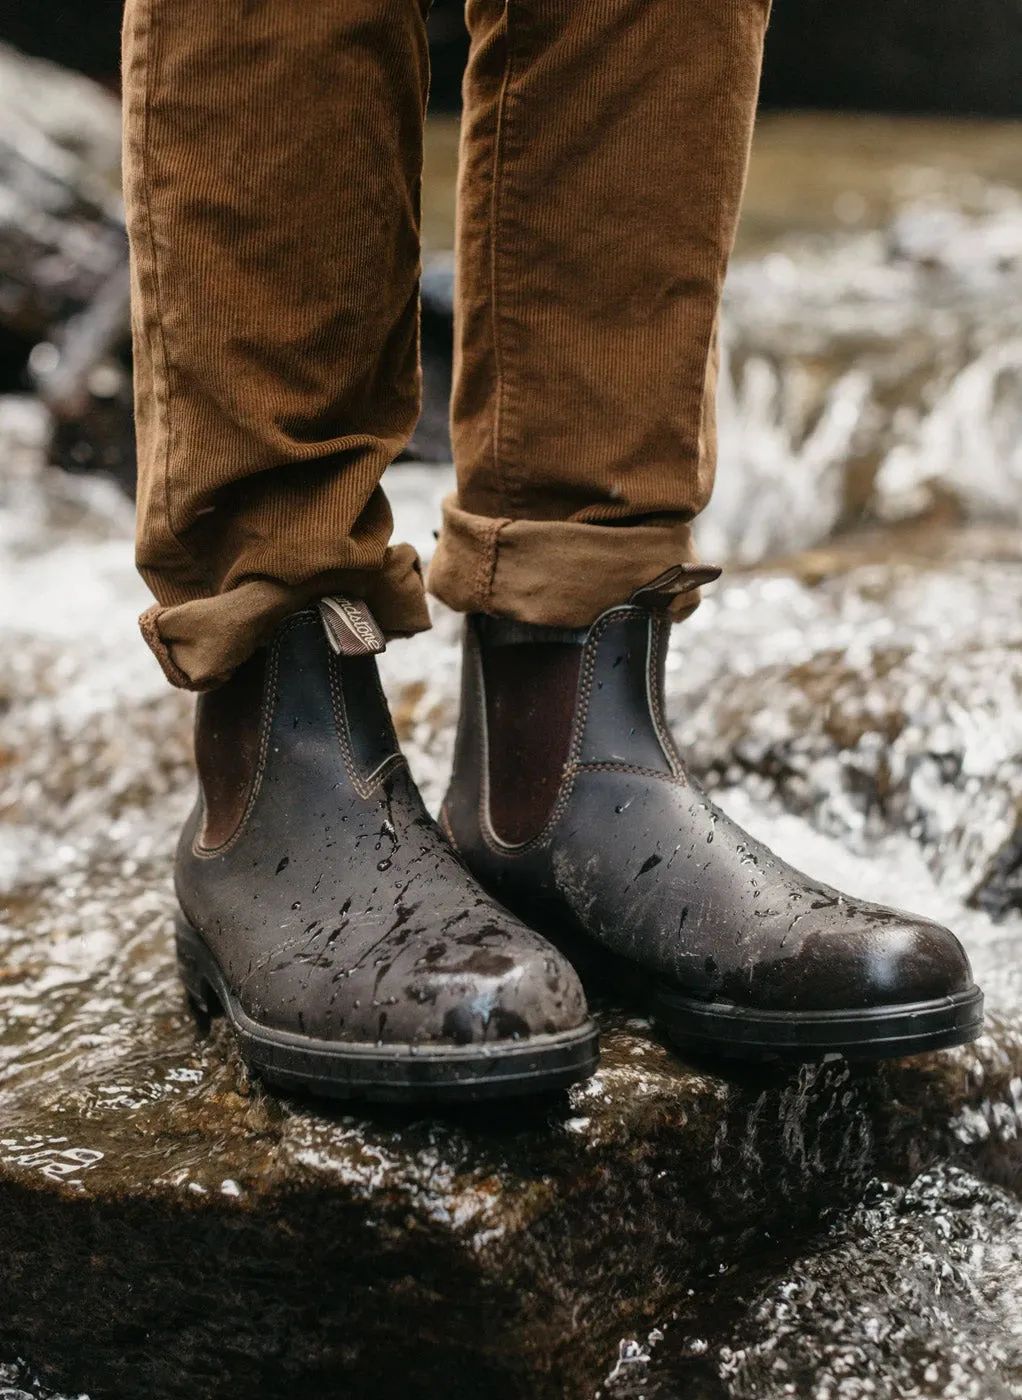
681	578
351	628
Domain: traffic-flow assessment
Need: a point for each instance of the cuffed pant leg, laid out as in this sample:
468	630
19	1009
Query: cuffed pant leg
604	152
272	170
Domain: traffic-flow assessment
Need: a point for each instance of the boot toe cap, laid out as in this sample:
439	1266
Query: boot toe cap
883	958
914	960
539	995
498	984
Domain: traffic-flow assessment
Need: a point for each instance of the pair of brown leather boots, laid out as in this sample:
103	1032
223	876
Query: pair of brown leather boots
358	948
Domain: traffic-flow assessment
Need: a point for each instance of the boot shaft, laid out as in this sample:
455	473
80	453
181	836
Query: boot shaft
540	705
296	701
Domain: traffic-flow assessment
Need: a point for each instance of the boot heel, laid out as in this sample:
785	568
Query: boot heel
190	962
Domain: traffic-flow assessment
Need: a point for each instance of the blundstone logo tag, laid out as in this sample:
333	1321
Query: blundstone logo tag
351	628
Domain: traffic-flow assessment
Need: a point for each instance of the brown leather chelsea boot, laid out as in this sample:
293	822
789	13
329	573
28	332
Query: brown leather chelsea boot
323	911
571	804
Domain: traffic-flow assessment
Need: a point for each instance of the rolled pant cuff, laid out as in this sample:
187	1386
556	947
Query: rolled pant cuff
200	641
554	573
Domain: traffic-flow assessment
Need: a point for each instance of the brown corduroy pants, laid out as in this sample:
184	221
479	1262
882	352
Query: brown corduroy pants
272	169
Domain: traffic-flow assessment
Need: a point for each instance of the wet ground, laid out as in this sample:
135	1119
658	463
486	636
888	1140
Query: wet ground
853	691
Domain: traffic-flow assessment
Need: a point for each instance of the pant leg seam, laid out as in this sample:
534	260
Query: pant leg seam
159	339
495	210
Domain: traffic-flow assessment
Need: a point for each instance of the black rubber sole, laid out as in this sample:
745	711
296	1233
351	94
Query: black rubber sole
872	1033
387	1073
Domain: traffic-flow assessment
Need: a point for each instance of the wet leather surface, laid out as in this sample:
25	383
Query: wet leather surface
339	911
641	861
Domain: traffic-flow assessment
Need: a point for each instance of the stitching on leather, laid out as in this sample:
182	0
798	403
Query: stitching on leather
585	688
365	787
448	830
655	693
474	657
631	768
512	852
269	689
482	728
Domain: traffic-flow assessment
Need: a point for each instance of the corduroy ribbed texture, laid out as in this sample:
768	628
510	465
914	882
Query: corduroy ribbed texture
604	151
272	166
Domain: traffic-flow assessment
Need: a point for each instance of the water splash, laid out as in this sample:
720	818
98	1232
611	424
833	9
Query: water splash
870	377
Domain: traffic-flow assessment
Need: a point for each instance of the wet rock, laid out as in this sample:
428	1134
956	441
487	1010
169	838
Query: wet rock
161	1199
18	1383
168	1224
915	1292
